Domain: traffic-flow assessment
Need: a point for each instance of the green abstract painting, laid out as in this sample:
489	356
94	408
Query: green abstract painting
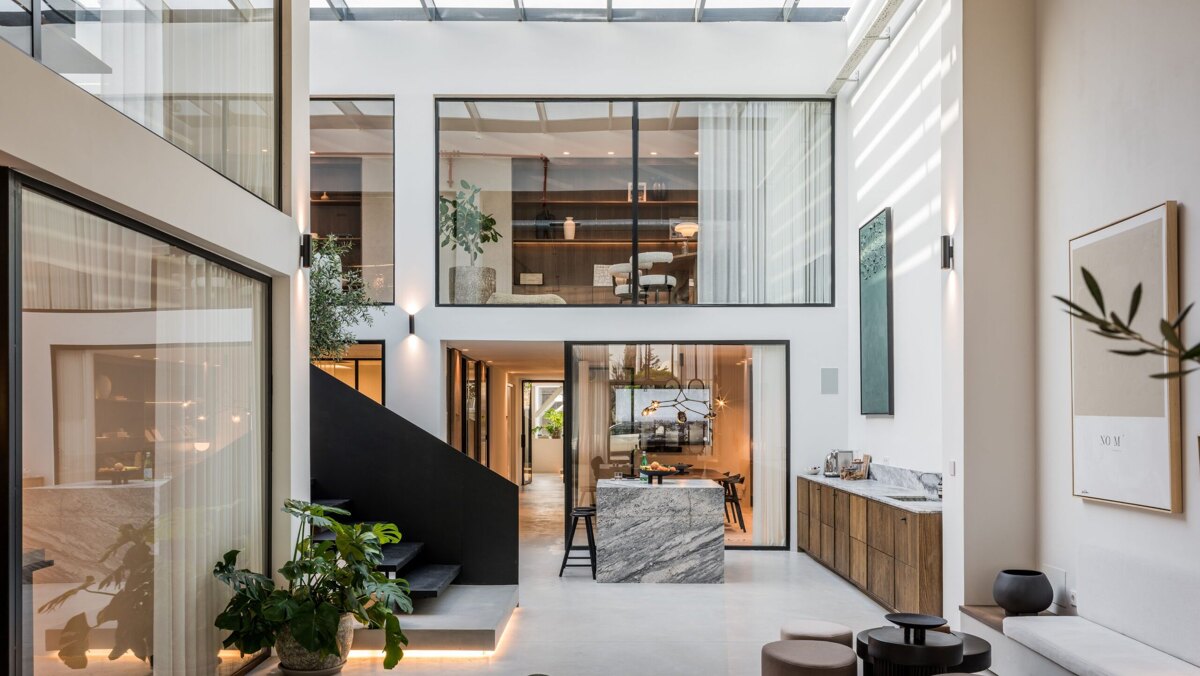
875	315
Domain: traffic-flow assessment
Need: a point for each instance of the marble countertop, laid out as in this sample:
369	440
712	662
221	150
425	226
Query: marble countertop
667	483
869	488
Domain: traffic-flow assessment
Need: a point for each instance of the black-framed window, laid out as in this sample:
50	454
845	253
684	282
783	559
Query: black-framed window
362	368
353	185
203	76
137	413
635	202
722	408
468	409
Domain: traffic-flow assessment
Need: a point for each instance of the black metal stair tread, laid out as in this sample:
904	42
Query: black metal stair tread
398	555
333	502
431	579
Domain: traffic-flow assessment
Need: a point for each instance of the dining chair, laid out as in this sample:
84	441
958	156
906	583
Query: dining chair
656	283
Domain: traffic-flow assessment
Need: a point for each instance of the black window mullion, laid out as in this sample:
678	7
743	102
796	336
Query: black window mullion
35	19
636	196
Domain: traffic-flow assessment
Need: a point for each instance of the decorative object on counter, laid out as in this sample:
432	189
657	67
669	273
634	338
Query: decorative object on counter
859	470
876	389
330	583
1022	592
569	228
813	471
129	589
836	461
463	225
1126	442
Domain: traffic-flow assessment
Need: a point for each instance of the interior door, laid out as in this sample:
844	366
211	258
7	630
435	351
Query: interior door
526	433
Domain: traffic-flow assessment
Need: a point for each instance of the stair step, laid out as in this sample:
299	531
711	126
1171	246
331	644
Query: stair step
397	556
430	580
341	503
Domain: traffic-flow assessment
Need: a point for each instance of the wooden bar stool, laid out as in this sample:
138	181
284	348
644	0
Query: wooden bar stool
587	514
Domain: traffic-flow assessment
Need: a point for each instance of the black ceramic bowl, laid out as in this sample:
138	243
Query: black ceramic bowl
1022	592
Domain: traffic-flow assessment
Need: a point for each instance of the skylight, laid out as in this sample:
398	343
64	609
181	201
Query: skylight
580	10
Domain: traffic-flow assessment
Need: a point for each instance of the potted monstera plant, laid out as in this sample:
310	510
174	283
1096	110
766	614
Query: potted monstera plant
331	585
463	225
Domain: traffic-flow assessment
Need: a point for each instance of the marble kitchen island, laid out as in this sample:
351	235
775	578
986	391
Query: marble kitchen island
673	532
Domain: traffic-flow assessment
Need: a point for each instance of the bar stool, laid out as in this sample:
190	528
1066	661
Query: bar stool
587	514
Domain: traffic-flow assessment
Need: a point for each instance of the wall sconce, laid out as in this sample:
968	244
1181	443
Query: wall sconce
306	250
412	324
947	252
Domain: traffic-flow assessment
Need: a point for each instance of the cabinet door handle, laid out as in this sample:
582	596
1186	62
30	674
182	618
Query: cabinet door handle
904	519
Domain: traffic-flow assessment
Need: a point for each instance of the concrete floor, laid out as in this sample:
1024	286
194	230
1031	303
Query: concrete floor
572	626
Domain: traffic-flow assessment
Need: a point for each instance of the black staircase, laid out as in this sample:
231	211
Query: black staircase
458	518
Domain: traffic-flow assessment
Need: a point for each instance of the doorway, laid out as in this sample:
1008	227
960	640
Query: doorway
541	428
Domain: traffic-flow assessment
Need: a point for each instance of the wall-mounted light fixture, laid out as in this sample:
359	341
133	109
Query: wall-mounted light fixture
412	324
306	250
947	252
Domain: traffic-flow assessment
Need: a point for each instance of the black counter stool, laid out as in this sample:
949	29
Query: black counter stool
587	514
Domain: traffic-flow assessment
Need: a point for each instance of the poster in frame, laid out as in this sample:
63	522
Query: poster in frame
875	352
1126	434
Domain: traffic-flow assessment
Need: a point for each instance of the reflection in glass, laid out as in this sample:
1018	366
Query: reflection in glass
143	447
553	178
361	368
720	409
16	25
732	203
352	186
199	74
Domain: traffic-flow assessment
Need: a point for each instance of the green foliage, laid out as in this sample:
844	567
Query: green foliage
325	578
463	225
337	300
1111	325
130	590
554	423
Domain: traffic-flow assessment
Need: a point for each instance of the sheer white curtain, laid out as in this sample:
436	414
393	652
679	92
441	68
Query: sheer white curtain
765	215
769	450
591	424
73	260
211	462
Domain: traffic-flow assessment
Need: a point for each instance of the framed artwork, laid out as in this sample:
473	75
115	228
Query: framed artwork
1126	429
876	391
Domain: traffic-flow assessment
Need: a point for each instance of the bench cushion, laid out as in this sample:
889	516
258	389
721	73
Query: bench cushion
526	299
1086	648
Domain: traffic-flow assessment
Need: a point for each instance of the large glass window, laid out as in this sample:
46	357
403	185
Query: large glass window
16	24
360	368
718	410
200	73
352	186
727	203
143	447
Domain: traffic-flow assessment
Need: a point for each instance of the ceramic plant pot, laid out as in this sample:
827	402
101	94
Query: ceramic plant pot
294	660
471	285
1022	592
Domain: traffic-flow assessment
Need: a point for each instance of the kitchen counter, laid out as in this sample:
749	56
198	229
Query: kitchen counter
875	490
673	532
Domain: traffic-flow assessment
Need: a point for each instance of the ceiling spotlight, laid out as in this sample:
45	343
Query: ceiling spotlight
696	153
611	153
653	152
566	152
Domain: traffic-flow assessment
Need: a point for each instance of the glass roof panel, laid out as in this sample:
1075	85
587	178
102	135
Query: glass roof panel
576	110
507	110
476	4
384	4
455	109
566	4
581	10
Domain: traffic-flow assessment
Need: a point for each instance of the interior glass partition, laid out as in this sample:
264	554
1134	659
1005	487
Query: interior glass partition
729	202
353	180
202	75
144	443
16	25
720	409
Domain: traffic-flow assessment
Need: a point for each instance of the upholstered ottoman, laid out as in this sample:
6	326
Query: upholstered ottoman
817	630
808	658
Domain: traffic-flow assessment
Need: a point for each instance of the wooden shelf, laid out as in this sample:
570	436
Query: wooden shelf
594	241
990	616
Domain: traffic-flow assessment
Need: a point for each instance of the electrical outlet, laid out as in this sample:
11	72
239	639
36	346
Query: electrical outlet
1074	599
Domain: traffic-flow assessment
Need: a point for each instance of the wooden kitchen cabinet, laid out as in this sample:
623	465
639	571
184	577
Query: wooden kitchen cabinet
893	554
802	515
881	576
858	563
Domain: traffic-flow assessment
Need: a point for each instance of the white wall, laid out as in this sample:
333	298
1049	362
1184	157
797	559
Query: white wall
1117	98
416	61
891	145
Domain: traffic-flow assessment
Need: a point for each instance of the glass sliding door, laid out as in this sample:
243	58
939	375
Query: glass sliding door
144	443
729	202
719	409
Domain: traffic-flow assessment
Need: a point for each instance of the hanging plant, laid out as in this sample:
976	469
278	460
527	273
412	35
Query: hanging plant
337	301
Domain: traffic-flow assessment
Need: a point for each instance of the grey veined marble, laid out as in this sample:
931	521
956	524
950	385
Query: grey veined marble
924	482
651	533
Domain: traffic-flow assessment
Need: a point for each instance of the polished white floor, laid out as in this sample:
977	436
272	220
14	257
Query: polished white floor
572	626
